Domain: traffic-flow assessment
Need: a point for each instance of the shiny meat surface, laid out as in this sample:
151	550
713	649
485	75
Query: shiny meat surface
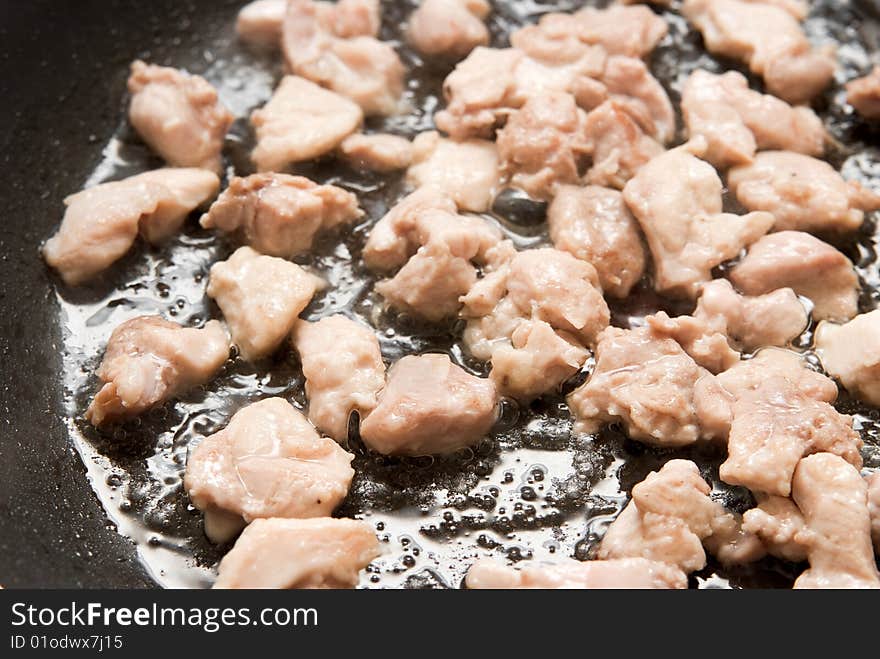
377	152
864	94
636	573
448	28
149	360
259	22
267	462
778	523
851	353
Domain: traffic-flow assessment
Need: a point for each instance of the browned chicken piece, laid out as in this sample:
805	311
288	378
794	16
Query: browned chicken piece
780	411
260	297
299	553
736	121
101	223
377	152
864	94
630	573
178	115
778	523
802	193
873	481
267	462
280	214
851	353
833	498
594	224
337	51
259	22
671	517
769	40
468	171
650	385
450	28
430	406
300	122
149	360
810	267
344	371
676	197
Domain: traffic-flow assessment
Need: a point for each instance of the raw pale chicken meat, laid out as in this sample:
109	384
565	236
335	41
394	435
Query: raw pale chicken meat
300	122
705	342
834	501
279	214
451	28
769	40
873	481
676	197
631	573
150	360
802	193
259	22
736	121
467	171
378	152
101	223
805	264
267	462
594	224
299	553
260	297
851	353
343	367
178	115
864	94
430	406
778	523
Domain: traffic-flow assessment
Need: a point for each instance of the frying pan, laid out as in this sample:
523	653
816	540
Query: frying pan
63	67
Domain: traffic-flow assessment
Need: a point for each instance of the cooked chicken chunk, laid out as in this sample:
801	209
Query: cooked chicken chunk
149	360
833	499
378	152
805	264
676	197
802	193
101	223
450	28
178	115
873	481
864	94
467	171
851	353
299	553
267	462
300	122
736	121
430	406
343	368
260	297
631	573
279	214
259	22
779	525
769	40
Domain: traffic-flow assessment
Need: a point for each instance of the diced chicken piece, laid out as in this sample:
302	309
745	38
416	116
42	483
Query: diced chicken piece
810	267
451	28
802	193
300	122
279	214
102	222
467	171
378	152
864	94
299	553
178	115
267	462
430	406
594	224
149	360
834	501
736	121
259	22
260	297
648	383
705	342
343	367
873	481
851	353
780	411
670	518
676	197
630	573
769	40
778	523
544	144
